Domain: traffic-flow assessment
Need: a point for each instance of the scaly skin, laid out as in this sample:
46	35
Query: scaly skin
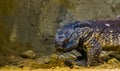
88	37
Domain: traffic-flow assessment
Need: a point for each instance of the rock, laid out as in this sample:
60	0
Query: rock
57	67
46	60
76	53
104	56
76	67
43	60
52	67
54	55
115	54
67	56
72	55
28	54
112	61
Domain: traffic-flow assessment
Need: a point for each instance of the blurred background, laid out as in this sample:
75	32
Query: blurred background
32	24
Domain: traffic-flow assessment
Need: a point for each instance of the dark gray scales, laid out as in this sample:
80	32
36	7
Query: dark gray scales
89	38
108	30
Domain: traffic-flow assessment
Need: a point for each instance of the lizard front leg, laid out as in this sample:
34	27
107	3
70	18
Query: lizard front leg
93	51
82	59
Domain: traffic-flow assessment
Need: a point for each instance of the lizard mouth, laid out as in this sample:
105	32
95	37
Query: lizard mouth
59	49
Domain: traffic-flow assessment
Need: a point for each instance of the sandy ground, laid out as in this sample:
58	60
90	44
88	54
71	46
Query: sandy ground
55	69
54	64
76	68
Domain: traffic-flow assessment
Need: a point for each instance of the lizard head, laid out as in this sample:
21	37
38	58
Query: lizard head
67	37
63	36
